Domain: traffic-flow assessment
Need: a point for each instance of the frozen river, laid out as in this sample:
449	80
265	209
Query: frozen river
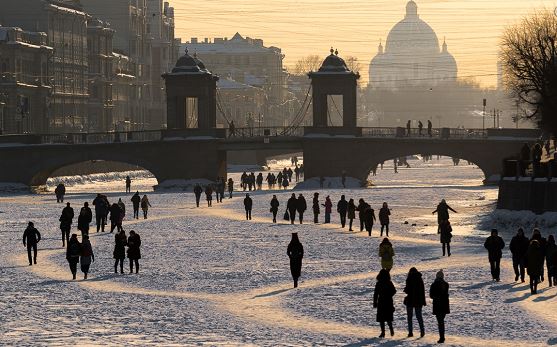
209	277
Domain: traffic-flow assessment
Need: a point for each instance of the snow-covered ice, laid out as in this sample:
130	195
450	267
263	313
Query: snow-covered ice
208	277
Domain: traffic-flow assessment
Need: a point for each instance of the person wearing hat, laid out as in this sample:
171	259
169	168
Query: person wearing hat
295	252
31	237
494	245
439	293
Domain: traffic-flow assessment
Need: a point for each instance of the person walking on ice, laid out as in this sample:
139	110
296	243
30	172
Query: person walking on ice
134	251
128	184
31	237
119	254
442	211
274	208
414	300
87	256
494	245
248	204
439	293
383	301
342	209
445	236
384	214
73	252
136	200
145	204
386	253
295	252
66	220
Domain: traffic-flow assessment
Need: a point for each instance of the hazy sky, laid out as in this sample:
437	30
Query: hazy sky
302	27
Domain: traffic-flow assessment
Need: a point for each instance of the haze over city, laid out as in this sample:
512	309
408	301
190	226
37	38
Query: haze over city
472	28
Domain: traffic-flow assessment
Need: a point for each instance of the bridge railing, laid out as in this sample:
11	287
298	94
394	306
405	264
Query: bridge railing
264	132
109	137
443	133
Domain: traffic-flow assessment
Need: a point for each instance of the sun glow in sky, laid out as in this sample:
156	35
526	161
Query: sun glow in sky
301	27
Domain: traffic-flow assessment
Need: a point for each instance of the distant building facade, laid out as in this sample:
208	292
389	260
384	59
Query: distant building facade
25	88
411	56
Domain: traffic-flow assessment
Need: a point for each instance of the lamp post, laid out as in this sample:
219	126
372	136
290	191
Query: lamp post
485	104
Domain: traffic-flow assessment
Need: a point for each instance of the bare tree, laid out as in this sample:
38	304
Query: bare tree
353	64
528	54
307	64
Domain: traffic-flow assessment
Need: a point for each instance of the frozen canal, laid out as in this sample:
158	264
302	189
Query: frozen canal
209	277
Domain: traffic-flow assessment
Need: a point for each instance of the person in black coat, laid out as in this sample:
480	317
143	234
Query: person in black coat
445	235
197	190
292	206
315	207
537	235
494	245
439	292
274	207
134	251
84	219
342	209
519	246
136	200
301	207
115	212
415	299
362	206
73	252
248	204
295	252
369	218
66	220
101	210
383	301
31	237
119	254
384	218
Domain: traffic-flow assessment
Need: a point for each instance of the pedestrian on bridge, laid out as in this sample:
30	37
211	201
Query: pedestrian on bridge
429	128
197	190
408	125
342	209
274	208
494	245
248	205
66	220
128	184
31	237
230	187
295	252
420	127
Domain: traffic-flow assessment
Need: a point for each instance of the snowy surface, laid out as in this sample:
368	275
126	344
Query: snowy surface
209	277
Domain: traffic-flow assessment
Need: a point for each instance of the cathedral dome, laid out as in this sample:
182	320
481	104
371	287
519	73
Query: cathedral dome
412	34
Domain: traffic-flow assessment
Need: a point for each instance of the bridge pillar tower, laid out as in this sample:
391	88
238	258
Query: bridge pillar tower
334	78
191	95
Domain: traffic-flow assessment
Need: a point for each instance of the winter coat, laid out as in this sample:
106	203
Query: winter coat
550	253
386	252
122	208
134	244
295	252
342	207
86	253
66	218
60	190
362	209
443	211
315	207
101	205
120	243
494	246
136	199
351	211
328	206
439	292
248	203
369	215
384	214
115	213
445	233
73	251
31	236
534	259
145	204
274	205
415	290
301	205
519	246
383	300
292	204
197	190
84	219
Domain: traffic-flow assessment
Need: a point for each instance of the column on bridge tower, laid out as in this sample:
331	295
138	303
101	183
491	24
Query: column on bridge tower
334	78
191	82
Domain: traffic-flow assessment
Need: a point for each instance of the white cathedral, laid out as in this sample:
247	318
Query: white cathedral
411	56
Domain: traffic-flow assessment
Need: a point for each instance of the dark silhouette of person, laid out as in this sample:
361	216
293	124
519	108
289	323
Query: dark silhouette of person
248	204
134	251
351	214
73	252
316	208
537	235
420	127
136	200
119	254
274	207
115	212
128	184
534	260
442	211
197	190
408	125
84	219
87	256
445	235
292	206
60	191
362	206
414	300
231	129
66	220
295	252
384	214
209	195
550	254
383	301
429	128
494	245
301	207
31	237
342	209
369	218
101	210
439	293
230	185
519	247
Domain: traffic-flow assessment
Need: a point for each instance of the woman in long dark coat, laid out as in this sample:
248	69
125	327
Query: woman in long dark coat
414	300
383	301
120	243
295	252
134	252
534	262
351	213
445	236
439	292
274	207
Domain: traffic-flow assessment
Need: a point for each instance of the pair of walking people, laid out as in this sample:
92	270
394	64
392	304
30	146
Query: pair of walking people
133	242
142	202
79	252
414	301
